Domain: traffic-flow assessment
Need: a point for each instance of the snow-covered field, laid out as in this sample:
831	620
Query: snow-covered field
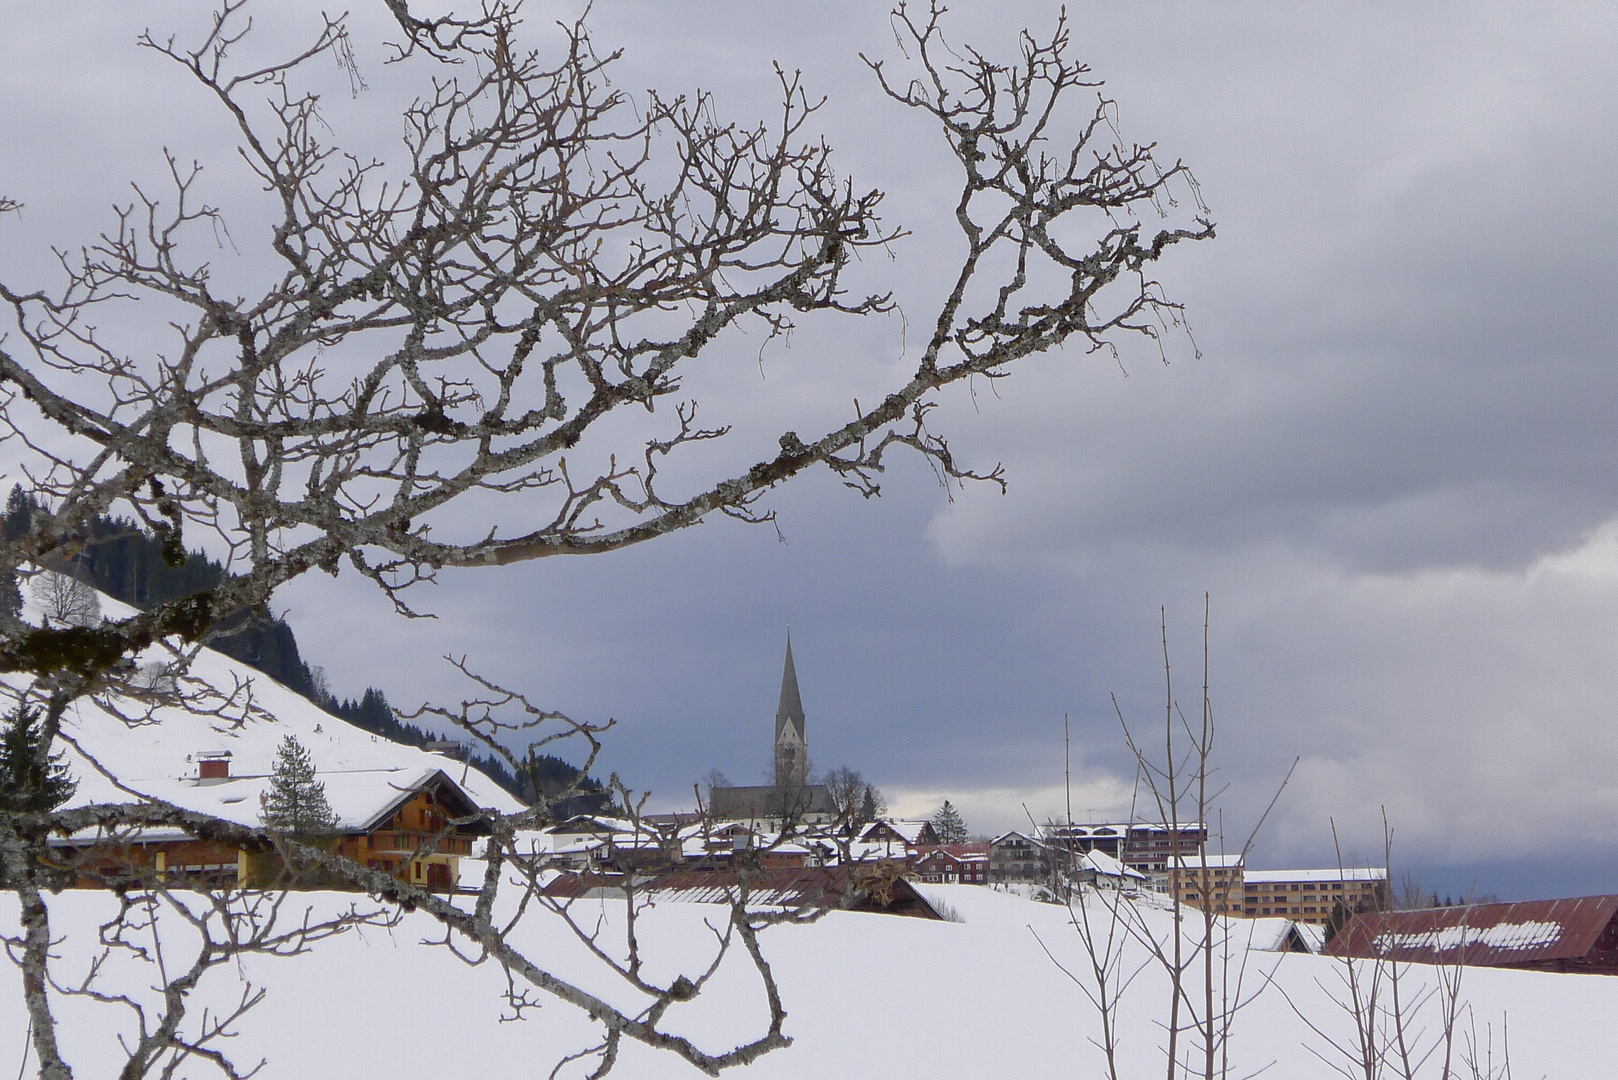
866	995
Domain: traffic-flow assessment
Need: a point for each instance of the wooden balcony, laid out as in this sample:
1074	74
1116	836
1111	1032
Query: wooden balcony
408	843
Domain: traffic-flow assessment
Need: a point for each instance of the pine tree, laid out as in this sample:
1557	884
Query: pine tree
868	809
28	783
19	512
948	825
296	802
1337	919
10	598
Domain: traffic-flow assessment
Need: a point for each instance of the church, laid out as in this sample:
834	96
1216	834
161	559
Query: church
792	797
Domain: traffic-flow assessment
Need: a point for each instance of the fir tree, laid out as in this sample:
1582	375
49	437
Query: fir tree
948	825
29	781
10	598
19	512
296	802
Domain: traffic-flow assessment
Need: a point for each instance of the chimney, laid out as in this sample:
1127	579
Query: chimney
213	765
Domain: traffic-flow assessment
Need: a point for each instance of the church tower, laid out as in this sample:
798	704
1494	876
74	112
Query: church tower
791	736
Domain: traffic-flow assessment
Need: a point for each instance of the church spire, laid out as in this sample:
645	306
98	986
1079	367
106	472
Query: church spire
791	707
791	737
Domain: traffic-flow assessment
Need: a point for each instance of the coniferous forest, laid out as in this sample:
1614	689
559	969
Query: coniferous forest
132	565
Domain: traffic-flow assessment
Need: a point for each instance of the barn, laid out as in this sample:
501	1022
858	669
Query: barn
1574	935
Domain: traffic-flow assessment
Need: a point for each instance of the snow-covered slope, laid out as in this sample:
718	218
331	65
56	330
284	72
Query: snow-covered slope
866	995
121	747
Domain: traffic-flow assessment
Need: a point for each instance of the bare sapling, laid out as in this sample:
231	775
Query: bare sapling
1387	1004
1201	959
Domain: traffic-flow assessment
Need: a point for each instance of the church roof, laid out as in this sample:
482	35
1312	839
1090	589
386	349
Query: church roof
791	707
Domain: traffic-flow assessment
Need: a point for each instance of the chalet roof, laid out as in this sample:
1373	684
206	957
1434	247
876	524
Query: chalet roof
446	792
1280	935
1264	934
594	823
1107	866
909	830
1487	935
870	851
1312	937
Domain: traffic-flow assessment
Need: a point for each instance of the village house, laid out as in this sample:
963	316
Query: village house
899	837
1017	857
951	864
1102	871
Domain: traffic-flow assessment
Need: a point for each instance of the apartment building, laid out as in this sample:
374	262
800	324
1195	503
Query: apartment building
1310	895
1306	896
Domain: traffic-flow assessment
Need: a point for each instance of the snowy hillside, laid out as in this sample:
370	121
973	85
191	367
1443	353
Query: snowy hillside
866	995
153	750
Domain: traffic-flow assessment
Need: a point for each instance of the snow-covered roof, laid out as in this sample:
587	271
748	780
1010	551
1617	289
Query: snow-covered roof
1211	861
910	829
964	853
595	824
119	750
1266	933
1107	866
1349	873
1313	937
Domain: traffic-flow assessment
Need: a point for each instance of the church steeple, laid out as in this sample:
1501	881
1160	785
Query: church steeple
791	735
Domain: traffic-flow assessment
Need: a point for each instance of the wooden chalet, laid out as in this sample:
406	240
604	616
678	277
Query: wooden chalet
415	827
1574	935
898	838
399	809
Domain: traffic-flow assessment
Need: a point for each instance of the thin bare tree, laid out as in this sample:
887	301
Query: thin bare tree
64	601
1203	955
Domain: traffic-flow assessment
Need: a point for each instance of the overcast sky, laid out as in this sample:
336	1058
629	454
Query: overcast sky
1391	466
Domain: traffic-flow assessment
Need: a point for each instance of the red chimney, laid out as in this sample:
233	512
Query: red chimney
213	765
